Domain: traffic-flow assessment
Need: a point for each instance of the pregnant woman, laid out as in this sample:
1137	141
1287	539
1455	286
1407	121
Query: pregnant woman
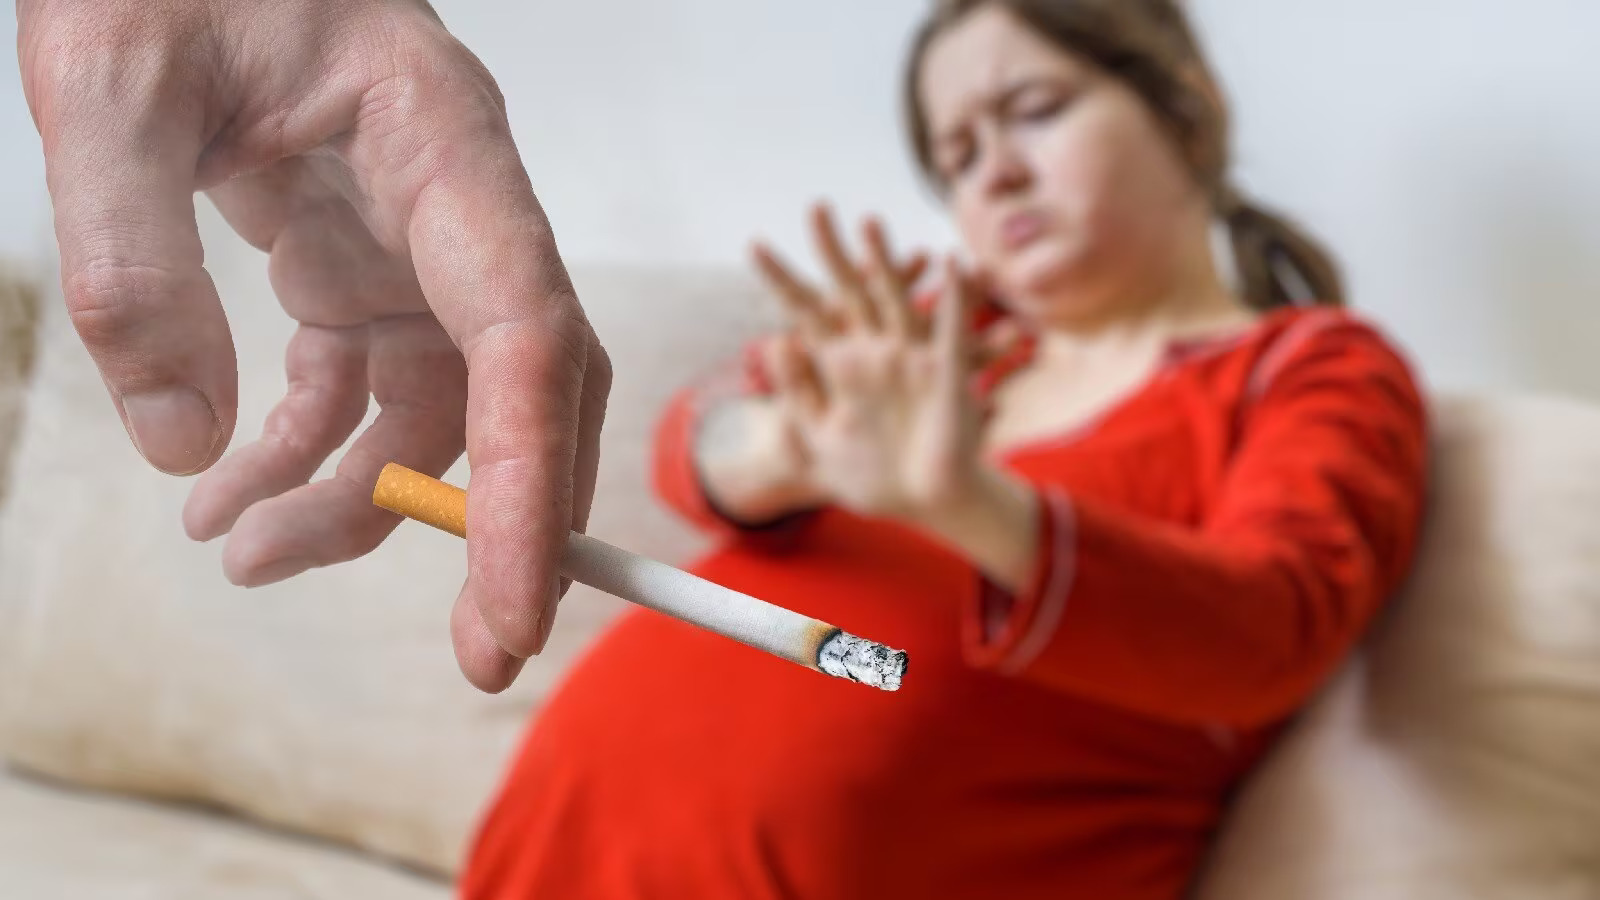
1125	512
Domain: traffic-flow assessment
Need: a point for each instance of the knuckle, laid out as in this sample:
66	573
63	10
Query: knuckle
50	47
571	331
426	69
107	300
410	125
473	76
69	59
571	347
599	373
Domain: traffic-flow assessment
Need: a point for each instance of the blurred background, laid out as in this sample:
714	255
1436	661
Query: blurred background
1449	151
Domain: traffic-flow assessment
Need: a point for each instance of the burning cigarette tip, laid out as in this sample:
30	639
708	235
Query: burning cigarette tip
867	662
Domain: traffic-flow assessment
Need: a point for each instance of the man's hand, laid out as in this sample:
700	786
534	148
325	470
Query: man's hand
369	153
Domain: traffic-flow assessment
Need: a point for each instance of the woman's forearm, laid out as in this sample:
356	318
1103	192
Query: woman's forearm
748	462
993	522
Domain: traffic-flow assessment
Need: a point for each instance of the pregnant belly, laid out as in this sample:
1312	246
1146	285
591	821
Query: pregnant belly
675	762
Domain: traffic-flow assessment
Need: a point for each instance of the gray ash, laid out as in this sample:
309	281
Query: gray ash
846	656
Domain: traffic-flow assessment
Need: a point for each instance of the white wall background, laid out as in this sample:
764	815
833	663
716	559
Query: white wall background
24	209
1448	149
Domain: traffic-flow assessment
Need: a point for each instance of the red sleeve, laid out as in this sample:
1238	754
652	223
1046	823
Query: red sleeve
1239	620
676	477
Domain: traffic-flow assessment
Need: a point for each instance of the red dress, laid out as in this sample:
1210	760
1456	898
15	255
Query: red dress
1211	548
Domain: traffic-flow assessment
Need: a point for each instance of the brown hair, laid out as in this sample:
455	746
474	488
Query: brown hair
1150	45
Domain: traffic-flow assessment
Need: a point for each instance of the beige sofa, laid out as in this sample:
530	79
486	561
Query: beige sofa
170	736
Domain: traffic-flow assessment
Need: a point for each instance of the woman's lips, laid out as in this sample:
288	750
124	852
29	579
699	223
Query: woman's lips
1020	229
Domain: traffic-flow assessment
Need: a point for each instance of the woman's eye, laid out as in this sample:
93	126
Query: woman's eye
1039	101
1039	107
957	160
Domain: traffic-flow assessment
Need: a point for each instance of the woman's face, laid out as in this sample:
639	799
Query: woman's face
1066	190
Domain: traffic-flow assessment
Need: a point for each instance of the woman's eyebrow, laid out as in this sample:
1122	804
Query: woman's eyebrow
1000	98
1023	84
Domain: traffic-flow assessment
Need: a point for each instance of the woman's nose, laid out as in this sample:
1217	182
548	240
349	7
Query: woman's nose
1005	169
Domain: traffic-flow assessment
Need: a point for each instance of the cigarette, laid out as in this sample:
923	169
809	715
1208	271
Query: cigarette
810	642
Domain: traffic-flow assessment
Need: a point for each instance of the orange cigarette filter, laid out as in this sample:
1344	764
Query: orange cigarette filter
427	500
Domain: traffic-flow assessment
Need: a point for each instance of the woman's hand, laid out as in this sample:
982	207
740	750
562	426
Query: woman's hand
749	450
876	392
750	462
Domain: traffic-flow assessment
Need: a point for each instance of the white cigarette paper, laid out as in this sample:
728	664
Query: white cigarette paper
655	585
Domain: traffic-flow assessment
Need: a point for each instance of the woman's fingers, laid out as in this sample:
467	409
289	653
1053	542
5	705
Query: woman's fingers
872	295
805	308
885	282
912	270
952	332
855	302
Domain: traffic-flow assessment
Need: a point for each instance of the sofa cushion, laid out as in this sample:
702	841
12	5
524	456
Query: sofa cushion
19	314
127	662
1459	755
62	844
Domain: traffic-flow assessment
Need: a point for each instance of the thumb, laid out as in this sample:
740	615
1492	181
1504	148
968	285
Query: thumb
952	326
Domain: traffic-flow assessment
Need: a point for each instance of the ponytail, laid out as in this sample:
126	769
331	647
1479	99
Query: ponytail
1277	262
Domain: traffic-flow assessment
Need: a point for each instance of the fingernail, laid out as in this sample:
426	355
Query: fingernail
174	428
